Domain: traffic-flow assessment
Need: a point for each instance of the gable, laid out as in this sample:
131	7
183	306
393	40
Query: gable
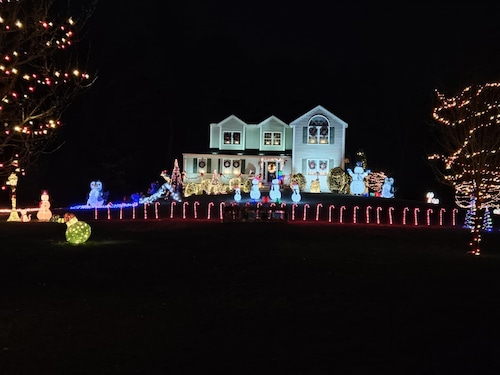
319	110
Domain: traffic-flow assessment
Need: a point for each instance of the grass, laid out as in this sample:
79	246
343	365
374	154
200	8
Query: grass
189	297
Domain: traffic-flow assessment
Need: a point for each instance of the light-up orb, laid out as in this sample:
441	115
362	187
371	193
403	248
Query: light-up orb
77	232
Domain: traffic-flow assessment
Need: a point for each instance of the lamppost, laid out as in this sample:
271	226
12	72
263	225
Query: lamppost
12	181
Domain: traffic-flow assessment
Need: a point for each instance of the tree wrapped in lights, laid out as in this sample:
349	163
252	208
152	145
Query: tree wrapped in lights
39	78
468	137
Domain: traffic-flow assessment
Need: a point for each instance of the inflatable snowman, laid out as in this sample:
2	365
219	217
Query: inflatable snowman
387	188
254	191
358	179
275	193
237	193
44	213
296	197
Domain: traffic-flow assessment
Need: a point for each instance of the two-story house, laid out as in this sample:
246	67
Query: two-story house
311	145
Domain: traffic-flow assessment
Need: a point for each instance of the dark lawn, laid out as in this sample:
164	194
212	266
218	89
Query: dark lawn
183	297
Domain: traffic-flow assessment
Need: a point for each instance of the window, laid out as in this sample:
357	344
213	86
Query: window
318	167
232	138
272	139
318	130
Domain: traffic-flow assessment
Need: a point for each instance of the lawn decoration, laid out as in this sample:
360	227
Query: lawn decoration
388	188
254	191
296	197
44	213
25	216
275	193
163	191
96	196
77	232
237	193
12	181
358	176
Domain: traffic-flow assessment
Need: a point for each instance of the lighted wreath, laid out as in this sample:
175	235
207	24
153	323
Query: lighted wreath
227	163
236	163
312	164
313	130
202	164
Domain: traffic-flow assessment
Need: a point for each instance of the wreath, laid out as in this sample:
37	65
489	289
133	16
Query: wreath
236	163
312	164
202	164
227	163
324	130
322	165
313	130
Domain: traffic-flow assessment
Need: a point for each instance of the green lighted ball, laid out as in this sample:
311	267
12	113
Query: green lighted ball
78	232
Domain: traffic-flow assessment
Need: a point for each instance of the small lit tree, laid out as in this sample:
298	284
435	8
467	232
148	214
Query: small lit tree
176	179
467	131
39	77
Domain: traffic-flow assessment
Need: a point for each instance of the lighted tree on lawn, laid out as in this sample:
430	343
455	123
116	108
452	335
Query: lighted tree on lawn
467	130
176	179
39	77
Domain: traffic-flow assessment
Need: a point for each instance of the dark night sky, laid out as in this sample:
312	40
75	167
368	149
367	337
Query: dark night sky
166	71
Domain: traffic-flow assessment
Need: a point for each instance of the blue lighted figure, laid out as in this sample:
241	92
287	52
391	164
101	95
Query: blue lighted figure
237	193
388	188
358	179
296	197
254	191
275	193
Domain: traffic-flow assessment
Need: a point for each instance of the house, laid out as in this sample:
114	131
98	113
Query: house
312	145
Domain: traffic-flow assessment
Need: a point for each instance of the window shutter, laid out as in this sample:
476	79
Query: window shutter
242	169
304	134
304	167
331	164
332	135
195	165
209	165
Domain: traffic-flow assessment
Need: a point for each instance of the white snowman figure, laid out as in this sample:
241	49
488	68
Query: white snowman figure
237	193
358	177
275	193
296	197
254	191
44	213
95	195
387	188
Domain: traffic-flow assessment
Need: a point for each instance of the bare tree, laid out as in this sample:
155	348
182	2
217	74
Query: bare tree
40	75
467	133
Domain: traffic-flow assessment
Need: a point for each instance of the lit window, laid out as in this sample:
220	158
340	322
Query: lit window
318	130
232	138
273	139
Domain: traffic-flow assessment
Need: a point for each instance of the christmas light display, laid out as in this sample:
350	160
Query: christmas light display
38	81
468	136
77	232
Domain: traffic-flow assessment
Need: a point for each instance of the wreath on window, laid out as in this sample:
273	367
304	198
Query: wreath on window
236	163
202	164
322	165
312	164
324	130
227	163
313	130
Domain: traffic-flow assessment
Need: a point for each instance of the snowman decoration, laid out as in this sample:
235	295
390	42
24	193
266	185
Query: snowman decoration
237	193
296	197
44	213
254	191
96	198
275	193
358	176
387	188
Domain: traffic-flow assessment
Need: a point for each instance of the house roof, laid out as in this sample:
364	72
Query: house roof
318	110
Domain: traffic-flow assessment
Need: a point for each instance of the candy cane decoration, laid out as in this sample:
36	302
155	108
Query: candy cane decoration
406	209
293	211
172	205
429	212
211	204
453	217
109	211
156	209
330	209
133	211
145	211
390	209
368	209
195	212
184	204
342	208
441	211
121	211
306	206
354	213
95	213
379	209
318	206
222	204
416	210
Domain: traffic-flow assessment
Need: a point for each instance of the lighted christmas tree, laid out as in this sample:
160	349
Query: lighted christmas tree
39	77
176	179
467	133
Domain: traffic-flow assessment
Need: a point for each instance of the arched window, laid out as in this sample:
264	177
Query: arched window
318	130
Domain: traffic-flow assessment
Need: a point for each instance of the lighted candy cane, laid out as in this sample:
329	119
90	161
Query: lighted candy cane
109	211
306	206
379	209
318	206
172	205
390	214
293	211
272	205
416	210
184	209
195	212
121	211
222	204
211	204
341	214
429	212
368	208
133	211
95	213
441	211
330	209
354	213
404	214
145	211
156	209
454	213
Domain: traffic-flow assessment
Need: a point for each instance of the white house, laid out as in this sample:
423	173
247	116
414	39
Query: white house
312	144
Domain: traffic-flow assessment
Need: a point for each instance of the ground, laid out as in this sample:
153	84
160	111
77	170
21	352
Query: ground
193	296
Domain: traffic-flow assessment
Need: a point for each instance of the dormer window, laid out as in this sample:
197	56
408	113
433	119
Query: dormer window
272	139
232	138
318	130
